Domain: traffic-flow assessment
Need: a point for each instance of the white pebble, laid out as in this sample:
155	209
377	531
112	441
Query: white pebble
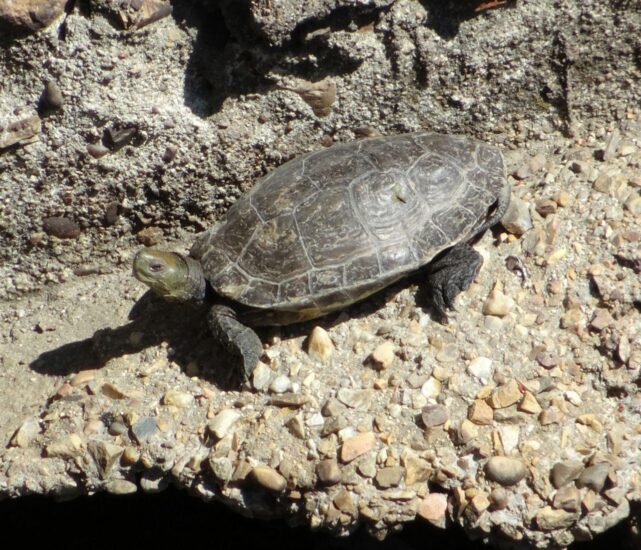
280	384
481	369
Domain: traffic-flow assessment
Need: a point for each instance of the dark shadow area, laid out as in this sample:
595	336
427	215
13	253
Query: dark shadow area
231	57
445	17
182	326
175	518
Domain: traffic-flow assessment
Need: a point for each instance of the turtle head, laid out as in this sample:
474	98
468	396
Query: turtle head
170	275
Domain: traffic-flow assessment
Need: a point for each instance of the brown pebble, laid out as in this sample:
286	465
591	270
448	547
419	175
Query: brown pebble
480	413
112	213
433	507
564	472
546	207
505	395
594	477
61	227
319	344
383	356
150	236
601	319
51	99
499	498
320	96
549	519
568	498
97	150
390	476
170	153
328	471
269	478
357	446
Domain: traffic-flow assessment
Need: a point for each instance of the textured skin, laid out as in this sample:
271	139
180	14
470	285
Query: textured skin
334	226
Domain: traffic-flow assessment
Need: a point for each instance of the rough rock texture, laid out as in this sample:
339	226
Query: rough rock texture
165	120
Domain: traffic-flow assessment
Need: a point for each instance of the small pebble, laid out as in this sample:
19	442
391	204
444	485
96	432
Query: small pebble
553	415
567	498
480	413
66	447
177	398
390	476
547	359
497	304
504	470
431	388
117	428
97	150
564	472
357	446
144	428
499	498
481	369
319	344
383	356
280	384
545	207
434	415
51	99
328	471
594	477
26	433
150	236
601	319
120	487
506	395
517	219
170	153
61	227
222	422
549	519
529	404
433	507
355	399
261	376
269	478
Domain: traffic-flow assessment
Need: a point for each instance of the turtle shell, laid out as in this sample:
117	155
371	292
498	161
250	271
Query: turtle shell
331	227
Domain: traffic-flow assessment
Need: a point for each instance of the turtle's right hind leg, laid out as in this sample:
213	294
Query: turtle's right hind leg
238	339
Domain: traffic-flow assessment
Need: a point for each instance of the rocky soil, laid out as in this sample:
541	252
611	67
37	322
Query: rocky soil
123	124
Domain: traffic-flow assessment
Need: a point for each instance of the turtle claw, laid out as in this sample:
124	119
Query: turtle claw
451	274
240	340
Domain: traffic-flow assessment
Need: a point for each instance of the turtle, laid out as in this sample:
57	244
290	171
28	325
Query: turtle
332	227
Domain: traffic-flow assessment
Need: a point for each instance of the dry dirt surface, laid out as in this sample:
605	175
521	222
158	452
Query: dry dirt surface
125	124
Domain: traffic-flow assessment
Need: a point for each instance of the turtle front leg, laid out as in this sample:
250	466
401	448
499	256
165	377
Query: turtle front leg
237	338
451	274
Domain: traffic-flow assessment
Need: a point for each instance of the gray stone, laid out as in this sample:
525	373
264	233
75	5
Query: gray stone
504	470
144	428
564	472
390	476
594	477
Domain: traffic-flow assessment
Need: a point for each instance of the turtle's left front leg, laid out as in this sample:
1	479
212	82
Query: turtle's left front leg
238	339
451	274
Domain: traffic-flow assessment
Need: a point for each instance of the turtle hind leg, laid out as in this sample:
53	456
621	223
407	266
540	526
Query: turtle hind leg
450	274
240	340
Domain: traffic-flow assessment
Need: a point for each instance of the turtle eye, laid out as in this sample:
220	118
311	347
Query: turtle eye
155	267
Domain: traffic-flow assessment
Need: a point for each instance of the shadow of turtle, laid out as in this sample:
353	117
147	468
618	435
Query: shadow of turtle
182	327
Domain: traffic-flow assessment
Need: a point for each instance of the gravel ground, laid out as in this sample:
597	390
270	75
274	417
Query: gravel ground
520	420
